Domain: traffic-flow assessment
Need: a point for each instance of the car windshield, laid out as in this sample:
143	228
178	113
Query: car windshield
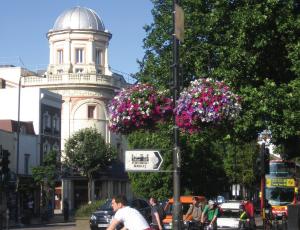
280	195
230	213
106	205
185	208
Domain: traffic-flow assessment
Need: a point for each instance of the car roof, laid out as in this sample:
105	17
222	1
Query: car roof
231	205
188	199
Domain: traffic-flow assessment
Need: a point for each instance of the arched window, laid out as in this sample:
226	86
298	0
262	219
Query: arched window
46	147
79	55
46	121
55	147
60	56
55	123
98	57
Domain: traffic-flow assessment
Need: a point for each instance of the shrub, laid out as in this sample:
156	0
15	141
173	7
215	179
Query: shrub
86	210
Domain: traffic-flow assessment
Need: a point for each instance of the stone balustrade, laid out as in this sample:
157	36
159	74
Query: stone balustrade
74	78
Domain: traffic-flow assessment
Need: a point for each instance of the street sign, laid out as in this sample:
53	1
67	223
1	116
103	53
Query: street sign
142	160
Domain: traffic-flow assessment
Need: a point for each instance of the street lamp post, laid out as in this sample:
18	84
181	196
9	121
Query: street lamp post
18	153
264	139
18	149
177	216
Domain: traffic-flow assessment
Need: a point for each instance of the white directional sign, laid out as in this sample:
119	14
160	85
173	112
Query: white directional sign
142	160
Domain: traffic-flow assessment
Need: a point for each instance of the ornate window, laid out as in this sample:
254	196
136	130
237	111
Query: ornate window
79	55
60	56
46	148
55	123
91	111
55	147
46	121
98	57
26	163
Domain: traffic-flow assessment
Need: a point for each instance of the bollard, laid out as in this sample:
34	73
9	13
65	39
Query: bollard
294	217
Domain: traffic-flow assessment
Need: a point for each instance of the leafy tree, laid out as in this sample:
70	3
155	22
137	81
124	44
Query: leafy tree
86	152
153	184
47	174
252	45
201	164
239	163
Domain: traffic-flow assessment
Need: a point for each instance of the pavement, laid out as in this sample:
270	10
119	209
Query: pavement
56	219
259	222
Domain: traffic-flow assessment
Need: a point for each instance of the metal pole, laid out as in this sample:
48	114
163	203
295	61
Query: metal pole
18	154
177	217
263	185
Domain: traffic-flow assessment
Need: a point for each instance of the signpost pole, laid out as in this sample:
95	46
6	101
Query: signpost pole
177	34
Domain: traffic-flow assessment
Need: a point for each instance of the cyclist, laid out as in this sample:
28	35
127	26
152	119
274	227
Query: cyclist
244	218
195	211
130	217
249	208
210	215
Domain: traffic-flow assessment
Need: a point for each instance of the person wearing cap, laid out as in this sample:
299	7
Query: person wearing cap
210	214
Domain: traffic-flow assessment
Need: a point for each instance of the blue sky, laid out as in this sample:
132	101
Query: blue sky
24	24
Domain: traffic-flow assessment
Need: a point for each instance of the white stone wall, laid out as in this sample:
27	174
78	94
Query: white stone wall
29	144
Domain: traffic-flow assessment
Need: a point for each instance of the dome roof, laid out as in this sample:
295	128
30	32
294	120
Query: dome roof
78	18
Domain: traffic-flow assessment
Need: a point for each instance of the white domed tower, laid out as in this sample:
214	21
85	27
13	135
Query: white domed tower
78	70
79	43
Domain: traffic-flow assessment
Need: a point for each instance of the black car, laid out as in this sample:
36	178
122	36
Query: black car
102	217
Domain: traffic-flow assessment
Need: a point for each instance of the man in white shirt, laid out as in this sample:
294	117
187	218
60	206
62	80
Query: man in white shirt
130	217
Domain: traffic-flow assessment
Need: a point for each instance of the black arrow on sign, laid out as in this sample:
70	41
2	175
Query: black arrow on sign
159	160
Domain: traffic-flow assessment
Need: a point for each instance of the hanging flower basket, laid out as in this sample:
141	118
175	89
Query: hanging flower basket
205	101
138	107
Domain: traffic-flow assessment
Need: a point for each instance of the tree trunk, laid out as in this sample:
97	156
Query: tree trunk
90	189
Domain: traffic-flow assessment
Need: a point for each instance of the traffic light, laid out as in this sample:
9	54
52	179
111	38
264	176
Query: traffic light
4	162
263	160
260	164
267	161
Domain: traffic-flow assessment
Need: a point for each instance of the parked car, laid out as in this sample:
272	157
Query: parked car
186	201
103	216
230	215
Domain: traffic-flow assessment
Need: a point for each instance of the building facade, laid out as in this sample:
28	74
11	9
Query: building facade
39	133
79	71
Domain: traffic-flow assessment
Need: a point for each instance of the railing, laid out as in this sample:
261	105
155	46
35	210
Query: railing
75	78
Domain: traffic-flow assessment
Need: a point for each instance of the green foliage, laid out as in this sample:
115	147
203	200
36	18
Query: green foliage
200	164
153	184
87	152
239	162
253	46
48	172
86	210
